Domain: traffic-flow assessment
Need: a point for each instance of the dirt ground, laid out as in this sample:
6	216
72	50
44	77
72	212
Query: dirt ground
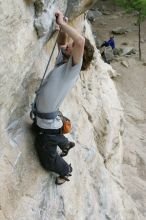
131	88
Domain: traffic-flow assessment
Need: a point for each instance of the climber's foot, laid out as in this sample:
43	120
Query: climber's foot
62	179
67	148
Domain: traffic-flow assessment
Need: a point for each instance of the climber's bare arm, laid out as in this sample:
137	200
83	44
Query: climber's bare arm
78	39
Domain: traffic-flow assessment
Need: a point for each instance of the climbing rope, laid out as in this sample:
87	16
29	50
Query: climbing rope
49	60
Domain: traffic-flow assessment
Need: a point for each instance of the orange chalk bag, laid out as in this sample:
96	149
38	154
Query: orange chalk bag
67	126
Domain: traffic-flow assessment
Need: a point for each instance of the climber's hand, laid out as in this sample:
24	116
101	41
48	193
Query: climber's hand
57	27
59	17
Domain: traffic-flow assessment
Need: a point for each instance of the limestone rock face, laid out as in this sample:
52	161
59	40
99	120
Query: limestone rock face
44	16
27	192
45	10
79	6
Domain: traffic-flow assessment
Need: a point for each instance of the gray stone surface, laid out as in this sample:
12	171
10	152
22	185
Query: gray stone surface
27	192
77	7
119	30
124	63
92	14
44	16
128	51
45	10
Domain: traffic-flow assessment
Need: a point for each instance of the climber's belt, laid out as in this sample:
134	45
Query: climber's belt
50	115
49	131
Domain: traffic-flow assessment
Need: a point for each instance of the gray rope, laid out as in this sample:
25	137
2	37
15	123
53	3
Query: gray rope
49	60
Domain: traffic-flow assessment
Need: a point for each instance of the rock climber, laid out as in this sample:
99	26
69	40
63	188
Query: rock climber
72	56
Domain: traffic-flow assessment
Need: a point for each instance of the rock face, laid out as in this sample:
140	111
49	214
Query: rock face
27	192
44	10
44	16
79	6
119	30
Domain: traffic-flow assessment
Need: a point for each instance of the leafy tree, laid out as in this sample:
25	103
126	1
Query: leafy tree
139	6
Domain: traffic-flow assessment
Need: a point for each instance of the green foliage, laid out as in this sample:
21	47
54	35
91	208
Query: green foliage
138	6
133	5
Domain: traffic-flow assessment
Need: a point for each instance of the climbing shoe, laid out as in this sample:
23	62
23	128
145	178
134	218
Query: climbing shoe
62	179
67	148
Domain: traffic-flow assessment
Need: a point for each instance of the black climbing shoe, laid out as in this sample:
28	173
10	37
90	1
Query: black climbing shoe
67	148
70	170
62	179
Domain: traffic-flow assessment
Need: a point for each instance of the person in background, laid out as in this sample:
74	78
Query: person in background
110	42
107	44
